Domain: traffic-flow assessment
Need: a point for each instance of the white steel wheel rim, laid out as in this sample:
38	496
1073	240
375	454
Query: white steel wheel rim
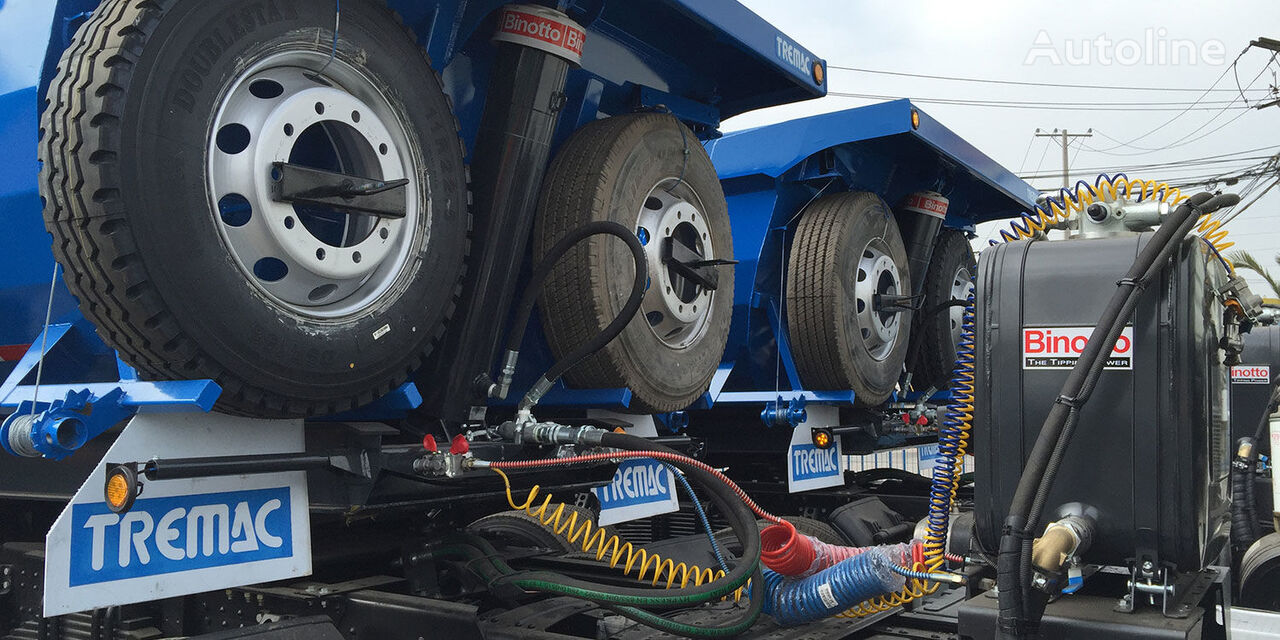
307	261
961	290
877	275
677	311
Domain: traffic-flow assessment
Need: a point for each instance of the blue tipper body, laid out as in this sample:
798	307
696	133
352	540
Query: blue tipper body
702	60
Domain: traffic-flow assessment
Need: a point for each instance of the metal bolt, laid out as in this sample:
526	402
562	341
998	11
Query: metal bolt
1148	566
1039	582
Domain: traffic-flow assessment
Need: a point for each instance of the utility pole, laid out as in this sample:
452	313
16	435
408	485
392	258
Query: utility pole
1270	45
1065	137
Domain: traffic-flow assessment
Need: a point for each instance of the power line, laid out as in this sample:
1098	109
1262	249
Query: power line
1184	164
1188	109
1016	82
1192	108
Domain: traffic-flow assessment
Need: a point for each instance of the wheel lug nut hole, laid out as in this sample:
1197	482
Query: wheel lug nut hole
233	139
288	129
288	222
235	210
320	108
270	269
383	233
355	257
321	292
382	148
320	254
266	89
355	116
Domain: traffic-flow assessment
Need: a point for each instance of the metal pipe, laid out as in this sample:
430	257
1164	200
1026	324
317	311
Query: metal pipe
177	468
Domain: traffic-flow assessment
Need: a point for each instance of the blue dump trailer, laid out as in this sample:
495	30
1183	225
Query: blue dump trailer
366	319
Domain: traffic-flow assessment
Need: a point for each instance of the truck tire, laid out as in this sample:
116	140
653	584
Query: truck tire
647	172
847	251
1260	574
158	141
937	324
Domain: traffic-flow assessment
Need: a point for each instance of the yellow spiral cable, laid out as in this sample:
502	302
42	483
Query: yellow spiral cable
1059	208
594	540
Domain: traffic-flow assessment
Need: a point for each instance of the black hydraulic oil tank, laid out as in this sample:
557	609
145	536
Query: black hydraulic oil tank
1151	449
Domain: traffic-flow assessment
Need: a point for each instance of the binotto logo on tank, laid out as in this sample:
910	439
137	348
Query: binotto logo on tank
1060	347
1251	374
543	29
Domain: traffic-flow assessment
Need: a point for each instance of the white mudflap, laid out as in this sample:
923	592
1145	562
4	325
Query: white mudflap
641	487
809	467
182	536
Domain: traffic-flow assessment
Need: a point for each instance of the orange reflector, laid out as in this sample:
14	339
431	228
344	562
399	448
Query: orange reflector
117	490
121	488
915	119
819	74
823	439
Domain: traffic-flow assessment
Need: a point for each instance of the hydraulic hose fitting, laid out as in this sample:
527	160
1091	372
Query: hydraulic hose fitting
502	387
535	393
550	433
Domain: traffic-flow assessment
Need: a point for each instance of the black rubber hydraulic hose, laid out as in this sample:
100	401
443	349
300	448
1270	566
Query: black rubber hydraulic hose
1014	619
1244	472
525	310
741	520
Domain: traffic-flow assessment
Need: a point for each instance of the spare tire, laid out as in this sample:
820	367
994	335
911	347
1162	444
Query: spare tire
162	141
647	172
936	334
846	254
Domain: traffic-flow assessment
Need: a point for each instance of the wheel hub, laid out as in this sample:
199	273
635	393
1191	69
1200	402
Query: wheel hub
877	277
675	307
314	259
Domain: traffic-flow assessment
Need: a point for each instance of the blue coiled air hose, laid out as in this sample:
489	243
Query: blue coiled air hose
953	443
830	591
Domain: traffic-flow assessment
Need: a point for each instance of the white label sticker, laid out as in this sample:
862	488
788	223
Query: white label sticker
1251	374
809	467
641	487
382	331
1060	347
828	597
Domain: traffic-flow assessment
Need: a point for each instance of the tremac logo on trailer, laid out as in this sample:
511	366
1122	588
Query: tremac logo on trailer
809	467
180	533
640	488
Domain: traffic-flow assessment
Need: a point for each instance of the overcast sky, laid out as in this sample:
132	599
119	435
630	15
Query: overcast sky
1130	43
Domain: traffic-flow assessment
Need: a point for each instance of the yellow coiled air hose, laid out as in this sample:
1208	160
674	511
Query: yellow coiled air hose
1057	209
631	559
